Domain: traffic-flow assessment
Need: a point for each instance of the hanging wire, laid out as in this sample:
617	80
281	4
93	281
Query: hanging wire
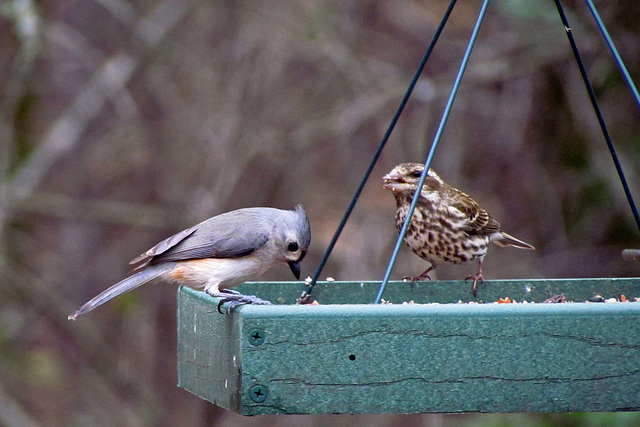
594	102
614	51
305	296
436	140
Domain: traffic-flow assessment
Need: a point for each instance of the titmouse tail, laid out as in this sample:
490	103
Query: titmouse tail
123	286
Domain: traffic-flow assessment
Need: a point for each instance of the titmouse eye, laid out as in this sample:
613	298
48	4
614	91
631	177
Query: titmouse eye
293	246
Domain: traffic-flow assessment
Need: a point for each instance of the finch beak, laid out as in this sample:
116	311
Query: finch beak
295	268
392	181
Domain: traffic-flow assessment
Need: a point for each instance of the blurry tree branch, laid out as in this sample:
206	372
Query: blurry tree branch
27	23
108	82
12	414
102	211
68	129
91	346
122	10
19	190
27	27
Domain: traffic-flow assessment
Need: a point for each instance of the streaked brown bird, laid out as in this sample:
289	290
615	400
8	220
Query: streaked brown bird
447	225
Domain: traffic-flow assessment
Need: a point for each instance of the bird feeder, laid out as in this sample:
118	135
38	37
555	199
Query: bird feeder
430	350
427	350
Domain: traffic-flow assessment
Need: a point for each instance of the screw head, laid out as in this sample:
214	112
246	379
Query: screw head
258	393
256	337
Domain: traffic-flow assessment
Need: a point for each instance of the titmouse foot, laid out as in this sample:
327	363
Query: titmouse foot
236	299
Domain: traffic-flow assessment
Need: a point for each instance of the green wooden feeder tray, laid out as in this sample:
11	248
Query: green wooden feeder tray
346	356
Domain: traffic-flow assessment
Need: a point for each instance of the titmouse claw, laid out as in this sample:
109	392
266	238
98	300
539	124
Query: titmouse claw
236	299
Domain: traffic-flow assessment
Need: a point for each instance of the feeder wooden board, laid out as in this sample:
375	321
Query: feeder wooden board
349	356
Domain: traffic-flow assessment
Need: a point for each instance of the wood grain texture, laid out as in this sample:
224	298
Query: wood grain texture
364	358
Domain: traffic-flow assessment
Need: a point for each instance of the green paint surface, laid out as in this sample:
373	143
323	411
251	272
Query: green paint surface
349	356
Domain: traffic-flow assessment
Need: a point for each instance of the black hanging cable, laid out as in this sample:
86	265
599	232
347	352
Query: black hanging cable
594	102
305	296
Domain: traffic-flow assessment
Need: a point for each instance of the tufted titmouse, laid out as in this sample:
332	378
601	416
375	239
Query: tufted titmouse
221	252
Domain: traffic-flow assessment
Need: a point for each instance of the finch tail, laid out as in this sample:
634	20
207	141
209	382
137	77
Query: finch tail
123	286
503	239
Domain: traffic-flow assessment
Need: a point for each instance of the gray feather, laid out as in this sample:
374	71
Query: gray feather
123	286
163	246
229	235
303	228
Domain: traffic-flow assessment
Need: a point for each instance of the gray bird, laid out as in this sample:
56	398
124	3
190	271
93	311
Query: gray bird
221	252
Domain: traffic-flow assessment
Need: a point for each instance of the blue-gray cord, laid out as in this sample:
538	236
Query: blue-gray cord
436	140
614	51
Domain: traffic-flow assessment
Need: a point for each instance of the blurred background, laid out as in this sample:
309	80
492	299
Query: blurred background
124	122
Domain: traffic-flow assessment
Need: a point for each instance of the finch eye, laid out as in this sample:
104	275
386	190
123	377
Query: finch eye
293	246
416	174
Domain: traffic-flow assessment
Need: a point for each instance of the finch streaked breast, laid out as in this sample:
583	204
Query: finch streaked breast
447	225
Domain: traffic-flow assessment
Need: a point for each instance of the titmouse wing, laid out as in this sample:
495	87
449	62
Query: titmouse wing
231	235
163	246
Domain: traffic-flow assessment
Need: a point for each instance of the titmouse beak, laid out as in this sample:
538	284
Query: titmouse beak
295	268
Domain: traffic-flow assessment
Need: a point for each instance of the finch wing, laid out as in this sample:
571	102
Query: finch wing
231	235
480	222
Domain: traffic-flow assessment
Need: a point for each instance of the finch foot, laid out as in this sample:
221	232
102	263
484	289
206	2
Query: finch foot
414	279
236	299
421	277
477	278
